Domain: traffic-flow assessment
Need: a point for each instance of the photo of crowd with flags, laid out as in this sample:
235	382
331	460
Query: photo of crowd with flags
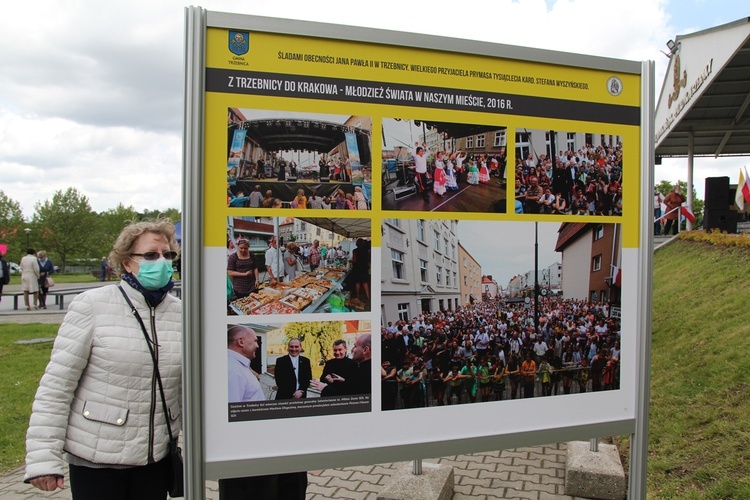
568	173
491	351
551	331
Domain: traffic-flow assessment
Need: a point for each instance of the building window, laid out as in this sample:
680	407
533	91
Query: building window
445	246
440	305
403	312
466	281
455	279
437	241
469	142
423	270
439	274
571	141
420	230
597	263
523	147
394	222
594	296
499	139
453	252
480	141
548	142
599	232
397	259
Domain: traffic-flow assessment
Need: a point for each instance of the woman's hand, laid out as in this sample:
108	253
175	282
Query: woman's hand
48	483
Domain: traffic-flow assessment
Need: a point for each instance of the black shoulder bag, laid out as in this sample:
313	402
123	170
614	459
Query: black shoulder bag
176	481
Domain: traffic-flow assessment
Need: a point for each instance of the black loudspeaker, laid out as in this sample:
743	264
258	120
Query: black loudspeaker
722	219
717	193
324	179
294	179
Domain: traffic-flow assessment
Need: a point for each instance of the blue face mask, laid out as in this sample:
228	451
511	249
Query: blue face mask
154	274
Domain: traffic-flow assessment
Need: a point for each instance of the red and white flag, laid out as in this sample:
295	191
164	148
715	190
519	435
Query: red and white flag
742	195
687	213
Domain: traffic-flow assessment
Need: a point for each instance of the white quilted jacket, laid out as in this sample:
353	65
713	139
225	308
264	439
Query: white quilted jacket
98	398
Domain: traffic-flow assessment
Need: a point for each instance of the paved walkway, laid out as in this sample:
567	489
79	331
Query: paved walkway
535	473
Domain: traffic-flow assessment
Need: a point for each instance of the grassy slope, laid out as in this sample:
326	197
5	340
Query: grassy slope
700	379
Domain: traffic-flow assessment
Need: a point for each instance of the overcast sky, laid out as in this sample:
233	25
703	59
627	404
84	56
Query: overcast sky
483	240
91	91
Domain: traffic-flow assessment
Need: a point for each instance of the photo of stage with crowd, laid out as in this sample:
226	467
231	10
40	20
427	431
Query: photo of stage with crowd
298	160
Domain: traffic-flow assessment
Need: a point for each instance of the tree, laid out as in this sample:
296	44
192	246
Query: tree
66	226
11	227
665	187
172	213
111	223
316	338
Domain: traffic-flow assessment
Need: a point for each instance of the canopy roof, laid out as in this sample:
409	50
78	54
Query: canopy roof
349	228
706	93
285	134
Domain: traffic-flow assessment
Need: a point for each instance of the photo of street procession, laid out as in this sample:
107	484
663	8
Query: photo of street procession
491	311
279	159
446	167
298	369
286	265
568	173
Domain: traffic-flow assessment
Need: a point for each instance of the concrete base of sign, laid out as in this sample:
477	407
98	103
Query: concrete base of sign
435	483
594	474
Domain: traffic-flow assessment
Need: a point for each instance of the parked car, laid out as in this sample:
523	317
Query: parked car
14	268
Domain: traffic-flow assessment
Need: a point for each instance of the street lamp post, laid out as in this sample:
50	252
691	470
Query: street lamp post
28	231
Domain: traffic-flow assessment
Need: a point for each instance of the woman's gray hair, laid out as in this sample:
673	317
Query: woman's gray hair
124	244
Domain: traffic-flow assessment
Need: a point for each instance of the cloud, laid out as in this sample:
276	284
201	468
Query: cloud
109	165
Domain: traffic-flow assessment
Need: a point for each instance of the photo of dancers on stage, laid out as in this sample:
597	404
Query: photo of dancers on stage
280	159
437	166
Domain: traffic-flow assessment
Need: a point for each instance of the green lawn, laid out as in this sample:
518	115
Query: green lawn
21	367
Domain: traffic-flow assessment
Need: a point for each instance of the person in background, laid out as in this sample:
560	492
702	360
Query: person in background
46	268
673	201
658	200
4	274
290	261
98	406
242	270
30	278
272	261
103	269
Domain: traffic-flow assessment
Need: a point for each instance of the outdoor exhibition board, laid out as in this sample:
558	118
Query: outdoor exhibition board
258	85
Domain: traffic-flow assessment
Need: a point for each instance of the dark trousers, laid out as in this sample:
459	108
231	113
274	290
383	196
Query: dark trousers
145	482
291	486
671	224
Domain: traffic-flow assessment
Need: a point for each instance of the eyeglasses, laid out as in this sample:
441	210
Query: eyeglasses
155	255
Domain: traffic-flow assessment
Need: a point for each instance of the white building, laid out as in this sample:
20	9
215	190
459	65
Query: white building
419	268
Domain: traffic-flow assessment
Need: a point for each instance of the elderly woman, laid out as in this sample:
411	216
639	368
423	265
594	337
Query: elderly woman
99	405
30	278
290	260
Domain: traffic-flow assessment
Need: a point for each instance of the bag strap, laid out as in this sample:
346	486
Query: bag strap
149	343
